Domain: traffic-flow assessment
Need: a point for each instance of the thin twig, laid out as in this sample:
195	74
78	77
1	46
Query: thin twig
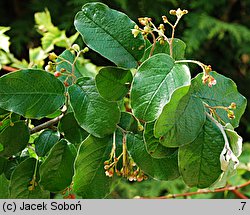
46	124
239	194
228	188
9	69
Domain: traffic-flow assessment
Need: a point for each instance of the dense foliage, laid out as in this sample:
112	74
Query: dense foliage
142	117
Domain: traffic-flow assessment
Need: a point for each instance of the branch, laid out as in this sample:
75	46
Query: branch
9	69
239	194
46	124
234	189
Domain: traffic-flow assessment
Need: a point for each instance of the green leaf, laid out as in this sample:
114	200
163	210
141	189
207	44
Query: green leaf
3	162
20	182
178	49
46	140
57	170
90	180
225	176
181	119
155	81
108	32
4	184
199	161
113	83
11	165
14	139
31	93
128	122
234	139
71	130
222	94
153	146
93	113
37	56
160	169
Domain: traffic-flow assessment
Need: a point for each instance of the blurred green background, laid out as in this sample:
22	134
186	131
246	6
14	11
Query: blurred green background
217	32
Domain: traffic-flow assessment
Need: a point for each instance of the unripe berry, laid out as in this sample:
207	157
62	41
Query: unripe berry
230	114
65	83
140	128
62	70
57	74
86	49
233	105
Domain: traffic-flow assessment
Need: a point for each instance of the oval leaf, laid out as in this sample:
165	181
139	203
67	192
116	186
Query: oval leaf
4	184
45	141
108	32
93	113
71	130
90	180
14	139
57	170
20	182
199	161
32	93
153	146
222	94
181	119
154	82
160	169
113	83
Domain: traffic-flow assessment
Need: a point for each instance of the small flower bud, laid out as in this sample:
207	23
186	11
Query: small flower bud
85	50
11	124
172	12
144	20
76	47
52	56
147	29
185	12
30	188
208	68
162	41
62	70
106	167
140	128
230	114
135	32
136	27
106	162
165	19
48	68
232	106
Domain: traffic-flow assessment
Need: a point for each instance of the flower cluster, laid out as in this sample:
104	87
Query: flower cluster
179	13
230	112
53	63
129	170
207	78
